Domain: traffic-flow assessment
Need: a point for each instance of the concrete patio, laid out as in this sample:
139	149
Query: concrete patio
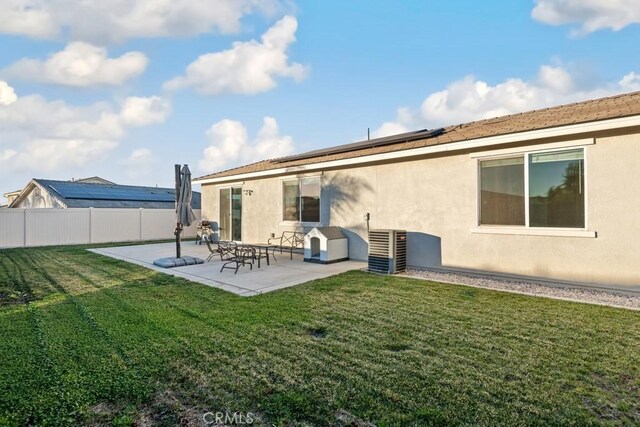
282	273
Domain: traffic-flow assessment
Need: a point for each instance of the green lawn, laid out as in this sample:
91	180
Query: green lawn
88	339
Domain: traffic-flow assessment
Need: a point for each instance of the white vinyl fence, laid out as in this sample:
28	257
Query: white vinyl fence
45	227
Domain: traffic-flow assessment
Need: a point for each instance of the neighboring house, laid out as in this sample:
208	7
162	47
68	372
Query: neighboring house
550	193
10	196
94	192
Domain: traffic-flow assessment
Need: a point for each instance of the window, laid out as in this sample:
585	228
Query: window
291	201
301	200
502	191
555	181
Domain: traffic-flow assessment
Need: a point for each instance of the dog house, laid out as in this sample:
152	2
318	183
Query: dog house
326	245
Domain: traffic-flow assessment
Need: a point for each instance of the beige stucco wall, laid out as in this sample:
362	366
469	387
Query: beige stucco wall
434	199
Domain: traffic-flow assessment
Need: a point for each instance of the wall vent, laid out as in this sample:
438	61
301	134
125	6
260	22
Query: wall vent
387	251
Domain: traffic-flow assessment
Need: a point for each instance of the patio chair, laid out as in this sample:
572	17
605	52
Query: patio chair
227	250
242	256
224	249
212	252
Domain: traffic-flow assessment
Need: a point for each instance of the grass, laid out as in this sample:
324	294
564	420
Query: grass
92	340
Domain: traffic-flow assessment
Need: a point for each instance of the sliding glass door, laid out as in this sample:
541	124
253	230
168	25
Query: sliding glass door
231	214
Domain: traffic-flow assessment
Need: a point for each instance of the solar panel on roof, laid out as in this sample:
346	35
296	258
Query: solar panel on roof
72	190
378	142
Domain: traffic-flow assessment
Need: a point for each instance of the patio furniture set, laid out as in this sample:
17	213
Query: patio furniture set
235	255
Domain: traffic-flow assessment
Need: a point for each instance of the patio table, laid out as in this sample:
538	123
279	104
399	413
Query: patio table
262	251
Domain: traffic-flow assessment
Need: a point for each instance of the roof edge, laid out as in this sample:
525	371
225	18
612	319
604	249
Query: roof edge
509	138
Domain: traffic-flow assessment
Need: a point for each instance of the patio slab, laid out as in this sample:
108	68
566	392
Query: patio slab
282	273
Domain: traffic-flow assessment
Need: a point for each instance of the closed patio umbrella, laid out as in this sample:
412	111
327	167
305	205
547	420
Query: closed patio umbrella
184	212
184	217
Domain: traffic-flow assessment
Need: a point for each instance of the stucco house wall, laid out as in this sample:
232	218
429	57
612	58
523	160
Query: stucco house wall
435	200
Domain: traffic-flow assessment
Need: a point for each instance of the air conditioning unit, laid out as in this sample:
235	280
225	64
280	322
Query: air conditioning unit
387	251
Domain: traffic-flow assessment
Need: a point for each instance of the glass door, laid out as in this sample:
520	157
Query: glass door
231	214
236	214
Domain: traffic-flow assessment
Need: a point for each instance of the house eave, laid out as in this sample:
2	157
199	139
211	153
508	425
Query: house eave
533	135
28	188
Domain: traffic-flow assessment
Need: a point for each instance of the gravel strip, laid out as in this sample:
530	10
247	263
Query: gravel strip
557	291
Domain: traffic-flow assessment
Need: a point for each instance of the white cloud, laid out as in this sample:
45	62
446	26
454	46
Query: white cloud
228	138
402	124
140	111
230	145
630	82
269	143
140	163
118	20
45	136
472	99
80	64
248	67
21	17
7	94
591	15
49	155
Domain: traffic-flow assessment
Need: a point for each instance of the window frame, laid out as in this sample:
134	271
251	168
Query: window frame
526	228
299	179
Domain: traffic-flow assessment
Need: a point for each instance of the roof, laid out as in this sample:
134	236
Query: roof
74	194
580	112
94	180
331	233
12	193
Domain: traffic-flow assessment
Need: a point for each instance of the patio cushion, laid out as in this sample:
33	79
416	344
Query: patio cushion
177	262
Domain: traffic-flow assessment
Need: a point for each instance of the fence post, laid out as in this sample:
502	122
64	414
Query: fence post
91	225
140	226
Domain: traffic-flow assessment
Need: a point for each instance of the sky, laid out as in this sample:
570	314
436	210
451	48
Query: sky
124	89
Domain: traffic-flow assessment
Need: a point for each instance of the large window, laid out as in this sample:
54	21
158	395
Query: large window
553	182
301	200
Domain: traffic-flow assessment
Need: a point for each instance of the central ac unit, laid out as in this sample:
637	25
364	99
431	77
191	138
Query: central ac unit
387	251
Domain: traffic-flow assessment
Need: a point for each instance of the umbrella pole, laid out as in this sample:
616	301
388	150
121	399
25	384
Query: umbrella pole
178	224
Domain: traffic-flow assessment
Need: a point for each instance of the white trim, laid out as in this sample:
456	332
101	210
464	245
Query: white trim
541	147
525	231
585	167
302	175
236	184
478	192
300	224
527	188
511	138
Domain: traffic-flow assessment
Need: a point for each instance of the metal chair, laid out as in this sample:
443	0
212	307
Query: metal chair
242	256
289	241
224	249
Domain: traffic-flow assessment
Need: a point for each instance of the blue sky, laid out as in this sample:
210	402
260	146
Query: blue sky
125	89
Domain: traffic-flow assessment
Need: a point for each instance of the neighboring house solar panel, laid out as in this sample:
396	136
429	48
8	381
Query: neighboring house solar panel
74	194
107	192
